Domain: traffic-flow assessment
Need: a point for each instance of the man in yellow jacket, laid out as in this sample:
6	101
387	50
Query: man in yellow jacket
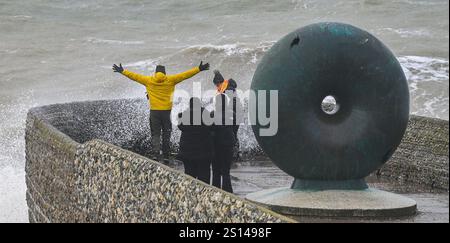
160	88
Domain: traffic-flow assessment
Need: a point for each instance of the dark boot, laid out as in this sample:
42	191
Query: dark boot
204	171
226	183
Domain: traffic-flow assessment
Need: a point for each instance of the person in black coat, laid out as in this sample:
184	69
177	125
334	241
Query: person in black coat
229	87
196	142
224	141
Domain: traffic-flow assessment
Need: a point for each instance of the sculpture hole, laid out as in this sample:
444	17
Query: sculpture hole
330	105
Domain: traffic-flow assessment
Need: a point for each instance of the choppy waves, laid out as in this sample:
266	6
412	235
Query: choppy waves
428	77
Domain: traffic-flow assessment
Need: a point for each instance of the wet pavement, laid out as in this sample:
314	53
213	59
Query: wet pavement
253	176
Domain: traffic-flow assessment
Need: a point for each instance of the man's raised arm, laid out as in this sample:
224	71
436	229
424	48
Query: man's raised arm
133	76
177	78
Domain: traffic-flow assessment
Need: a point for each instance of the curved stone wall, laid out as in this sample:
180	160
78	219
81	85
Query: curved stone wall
72	177
84	164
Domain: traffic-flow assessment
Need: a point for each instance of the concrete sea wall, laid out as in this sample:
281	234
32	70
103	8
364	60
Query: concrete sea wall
422	157
85	163
72	177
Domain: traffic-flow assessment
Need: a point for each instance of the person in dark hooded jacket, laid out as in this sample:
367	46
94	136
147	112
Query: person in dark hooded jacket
196	142
229	87
224	141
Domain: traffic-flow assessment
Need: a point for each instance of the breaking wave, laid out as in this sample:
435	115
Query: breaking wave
428	77
428	85
240	53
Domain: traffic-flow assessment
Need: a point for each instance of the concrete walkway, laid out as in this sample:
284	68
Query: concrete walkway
253	176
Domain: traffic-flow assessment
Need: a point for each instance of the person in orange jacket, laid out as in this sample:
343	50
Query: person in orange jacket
160	88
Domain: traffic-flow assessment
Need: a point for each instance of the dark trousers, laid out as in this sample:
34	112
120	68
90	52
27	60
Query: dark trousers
199	169
221	169
160	121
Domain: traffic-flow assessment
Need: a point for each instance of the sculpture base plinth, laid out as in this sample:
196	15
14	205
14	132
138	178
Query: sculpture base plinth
320	185
335	203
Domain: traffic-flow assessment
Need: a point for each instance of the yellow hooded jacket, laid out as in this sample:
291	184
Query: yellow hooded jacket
160	87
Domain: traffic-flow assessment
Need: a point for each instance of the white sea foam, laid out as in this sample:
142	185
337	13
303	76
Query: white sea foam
229	49
12	191
95	40
7	51
406	33
429	85
422	3
12	159
425	68
22	16
144	63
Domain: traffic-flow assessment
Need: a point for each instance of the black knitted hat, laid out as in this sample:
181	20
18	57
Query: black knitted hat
218	78
160	69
